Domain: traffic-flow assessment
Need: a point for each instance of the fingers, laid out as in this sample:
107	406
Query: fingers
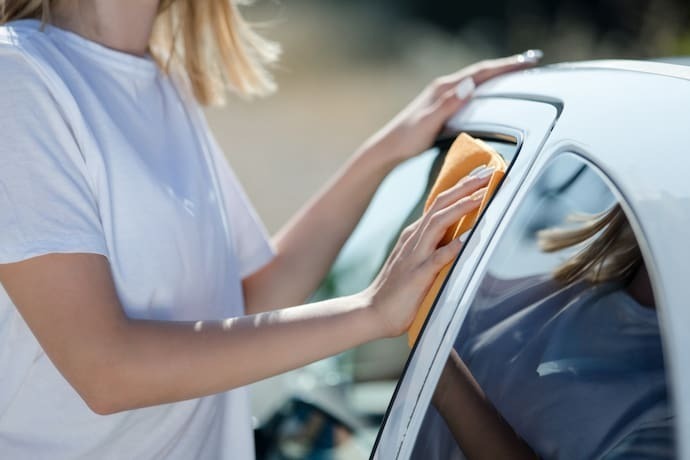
441	257
438	225
404	239
447	104
468	185
495	67
486	70
440	221
475	180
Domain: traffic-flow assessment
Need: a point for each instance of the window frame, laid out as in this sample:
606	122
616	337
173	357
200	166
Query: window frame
530	122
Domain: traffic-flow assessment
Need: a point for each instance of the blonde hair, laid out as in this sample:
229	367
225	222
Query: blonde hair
610	251
208	41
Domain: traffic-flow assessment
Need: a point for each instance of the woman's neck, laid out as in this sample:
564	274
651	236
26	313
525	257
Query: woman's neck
123	25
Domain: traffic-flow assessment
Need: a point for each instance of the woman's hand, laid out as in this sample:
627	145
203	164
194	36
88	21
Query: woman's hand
415	128
307	246
416	259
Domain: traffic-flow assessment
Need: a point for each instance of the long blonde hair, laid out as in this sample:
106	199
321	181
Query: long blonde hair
207	40
610	251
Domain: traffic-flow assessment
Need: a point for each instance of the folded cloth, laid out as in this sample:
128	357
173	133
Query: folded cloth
465	154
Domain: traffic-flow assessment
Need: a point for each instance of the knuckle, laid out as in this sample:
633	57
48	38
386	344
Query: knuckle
408	231
436	82
439	86
448	98
439	222
436	219
438	201
440	257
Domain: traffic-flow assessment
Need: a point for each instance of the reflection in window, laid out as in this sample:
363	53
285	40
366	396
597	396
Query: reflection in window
564	342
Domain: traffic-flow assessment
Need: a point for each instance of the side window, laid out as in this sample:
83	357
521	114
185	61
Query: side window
562	335
339	403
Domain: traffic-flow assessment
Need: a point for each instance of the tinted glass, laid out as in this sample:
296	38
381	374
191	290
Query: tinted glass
573	365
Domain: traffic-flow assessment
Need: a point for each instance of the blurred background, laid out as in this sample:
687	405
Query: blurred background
349	66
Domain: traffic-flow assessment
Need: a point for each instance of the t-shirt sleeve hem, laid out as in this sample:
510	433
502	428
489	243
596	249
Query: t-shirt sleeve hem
261	256
39	248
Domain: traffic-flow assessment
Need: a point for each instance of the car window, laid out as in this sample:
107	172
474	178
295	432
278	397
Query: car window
565	344
398	202
339	403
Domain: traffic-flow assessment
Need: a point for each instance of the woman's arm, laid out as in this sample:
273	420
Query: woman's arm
476	425
115	363
307	246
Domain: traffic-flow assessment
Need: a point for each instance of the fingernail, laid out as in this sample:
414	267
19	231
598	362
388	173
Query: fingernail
462	238
530	56
486	172
465	88
478	170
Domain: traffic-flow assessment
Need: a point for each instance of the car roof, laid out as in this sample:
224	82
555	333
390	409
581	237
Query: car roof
678	60
671	67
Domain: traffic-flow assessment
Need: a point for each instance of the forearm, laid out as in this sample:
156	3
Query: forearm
71	304
476	425
149	362
308	244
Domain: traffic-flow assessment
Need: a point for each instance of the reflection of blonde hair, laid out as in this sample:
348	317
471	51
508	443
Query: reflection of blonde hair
208	40
610	249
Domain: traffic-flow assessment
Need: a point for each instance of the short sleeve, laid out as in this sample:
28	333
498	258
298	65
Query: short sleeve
249	236
46	203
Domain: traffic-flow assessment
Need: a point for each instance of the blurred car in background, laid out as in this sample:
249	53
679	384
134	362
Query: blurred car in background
578	137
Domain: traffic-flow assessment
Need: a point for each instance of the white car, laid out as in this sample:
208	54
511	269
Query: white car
579	137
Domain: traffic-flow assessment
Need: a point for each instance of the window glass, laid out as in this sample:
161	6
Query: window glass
565	343
335	406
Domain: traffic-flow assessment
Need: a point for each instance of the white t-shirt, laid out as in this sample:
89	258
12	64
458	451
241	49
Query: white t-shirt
102	153
578	372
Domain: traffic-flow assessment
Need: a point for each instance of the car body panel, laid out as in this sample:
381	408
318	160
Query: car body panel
530	123
628	119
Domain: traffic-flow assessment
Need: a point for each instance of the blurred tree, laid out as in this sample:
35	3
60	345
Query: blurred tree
639	28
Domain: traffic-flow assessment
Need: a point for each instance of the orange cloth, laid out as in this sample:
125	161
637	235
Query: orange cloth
466	154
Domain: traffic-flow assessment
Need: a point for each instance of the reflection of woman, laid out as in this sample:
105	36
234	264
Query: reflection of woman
128	251
564	369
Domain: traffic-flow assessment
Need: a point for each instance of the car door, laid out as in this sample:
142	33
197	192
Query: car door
527	124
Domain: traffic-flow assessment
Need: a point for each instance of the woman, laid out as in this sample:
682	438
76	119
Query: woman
138	283
573	363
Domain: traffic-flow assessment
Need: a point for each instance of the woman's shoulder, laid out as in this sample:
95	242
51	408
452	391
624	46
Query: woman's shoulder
22	58
32	83
16	33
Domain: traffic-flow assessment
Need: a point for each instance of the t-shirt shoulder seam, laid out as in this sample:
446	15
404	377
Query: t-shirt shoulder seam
46	75
16	43
33	63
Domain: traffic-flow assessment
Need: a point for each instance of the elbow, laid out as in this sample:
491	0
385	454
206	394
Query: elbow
101	405
103	392
102	401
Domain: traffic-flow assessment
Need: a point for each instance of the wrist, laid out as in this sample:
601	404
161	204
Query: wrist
377	156
374	322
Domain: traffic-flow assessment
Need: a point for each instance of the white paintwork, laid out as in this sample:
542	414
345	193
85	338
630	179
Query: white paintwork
630	120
